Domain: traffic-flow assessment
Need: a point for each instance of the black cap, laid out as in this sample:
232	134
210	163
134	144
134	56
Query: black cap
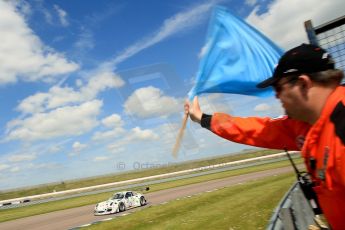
302	59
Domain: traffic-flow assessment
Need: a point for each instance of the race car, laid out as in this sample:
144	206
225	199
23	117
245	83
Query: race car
119	202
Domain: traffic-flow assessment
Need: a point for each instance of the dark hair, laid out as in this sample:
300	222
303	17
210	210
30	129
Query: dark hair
327	77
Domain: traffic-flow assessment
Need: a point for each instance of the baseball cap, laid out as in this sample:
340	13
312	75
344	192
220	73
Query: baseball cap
305	58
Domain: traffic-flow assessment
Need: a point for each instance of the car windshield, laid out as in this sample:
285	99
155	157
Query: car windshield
117	196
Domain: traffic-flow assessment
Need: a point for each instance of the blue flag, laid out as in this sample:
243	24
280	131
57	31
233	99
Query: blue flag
237	57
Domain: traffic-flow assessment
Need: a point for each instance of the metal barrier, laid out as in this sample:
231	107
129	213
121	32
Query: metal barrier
294	212
330	36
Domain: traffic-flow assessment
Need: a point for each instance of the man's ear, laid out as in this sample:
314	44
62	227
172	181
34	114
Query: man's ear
305	84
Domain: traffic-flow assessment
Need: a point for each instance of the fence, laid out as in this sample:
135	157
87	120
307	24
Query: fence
330	36
295	212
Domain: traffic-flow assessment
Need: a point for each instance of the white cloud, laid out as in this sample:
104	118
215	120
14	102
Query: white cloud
113	120
214	102
15	169
65	121
85	40
77	146
132	137
39	6
24	8
142	134
250	2
101	158
262	107
150	102
203	50
60	96
62	15
73	154
167	133
43	166
100	80
4	167
22	54
177	23
21	157
283	22
54	149
106	135
117	147
56	97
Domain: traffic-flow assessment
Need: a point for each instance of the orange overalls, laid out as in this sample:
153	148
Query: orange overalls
322	146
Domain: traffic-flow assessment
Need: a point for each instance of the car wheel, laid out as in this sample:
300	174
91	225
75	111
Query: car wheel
142	201
122	207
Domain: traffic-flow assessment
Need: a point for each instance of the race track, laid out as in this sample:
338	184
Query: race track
71	218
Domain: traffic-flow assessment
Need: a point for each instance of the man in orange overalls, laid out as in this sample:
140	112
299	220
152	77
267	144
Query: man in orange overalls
308	86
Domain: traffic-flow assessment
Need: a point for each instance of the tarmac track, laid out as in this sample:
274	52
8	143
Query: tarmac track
74	217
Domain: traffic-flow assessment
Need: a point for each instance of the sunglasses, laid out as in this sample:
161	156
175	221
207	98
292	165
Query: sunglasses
278	87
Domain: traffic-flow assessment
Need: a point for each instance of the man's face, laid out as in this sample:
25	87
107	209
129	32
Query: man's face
290	96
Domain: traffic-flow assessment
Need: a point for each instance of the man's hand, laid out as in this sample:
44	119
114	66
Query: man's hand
193	110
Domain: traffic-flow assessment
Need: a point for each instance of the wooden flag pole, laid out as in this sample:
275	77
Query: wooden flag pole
179	136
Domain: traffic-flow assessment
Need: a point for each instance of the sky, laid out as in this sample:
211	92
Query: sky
96	87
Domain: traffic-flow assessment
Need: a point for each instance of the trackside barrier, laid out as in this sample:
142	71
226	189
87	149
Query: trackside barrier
78	190
294	212
330	36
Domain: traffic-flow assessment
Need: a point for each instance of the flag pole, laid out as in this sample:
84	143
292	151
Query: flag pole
179	136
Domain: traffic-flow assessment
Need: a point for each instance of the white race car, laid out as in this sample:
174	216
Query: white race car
119	202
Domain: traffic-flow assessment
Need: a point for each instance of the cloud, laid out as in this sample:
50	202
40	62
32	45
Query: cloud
62	15
61	96
117	147
77	146
151	102
22	157
101	80
106	135
251	2
24	8
142	134
65	121
54	149
101	158
39	6
203	50
177	23
14	169
44	166
214	102
290	33
167	133
4	167
262	107
85	40
132	137
113	120
22	54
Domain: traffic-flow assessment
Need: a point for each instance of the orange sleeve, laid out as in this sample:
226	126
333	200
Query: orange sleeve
266	132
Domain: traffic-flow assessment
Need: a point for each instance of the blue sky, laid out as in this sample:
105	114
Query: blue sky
95	87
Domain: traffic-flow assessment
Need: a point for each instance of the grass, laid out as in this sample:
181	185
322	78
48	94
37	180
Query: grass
66	185
246	206
16	213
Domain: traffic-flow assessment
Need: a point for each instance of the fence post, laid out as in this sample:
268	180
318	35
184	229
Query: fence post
311	33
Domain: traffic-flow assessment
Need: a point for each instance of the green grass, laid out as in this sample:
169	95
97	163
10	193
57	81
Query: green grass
246	206
16	213
66	185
